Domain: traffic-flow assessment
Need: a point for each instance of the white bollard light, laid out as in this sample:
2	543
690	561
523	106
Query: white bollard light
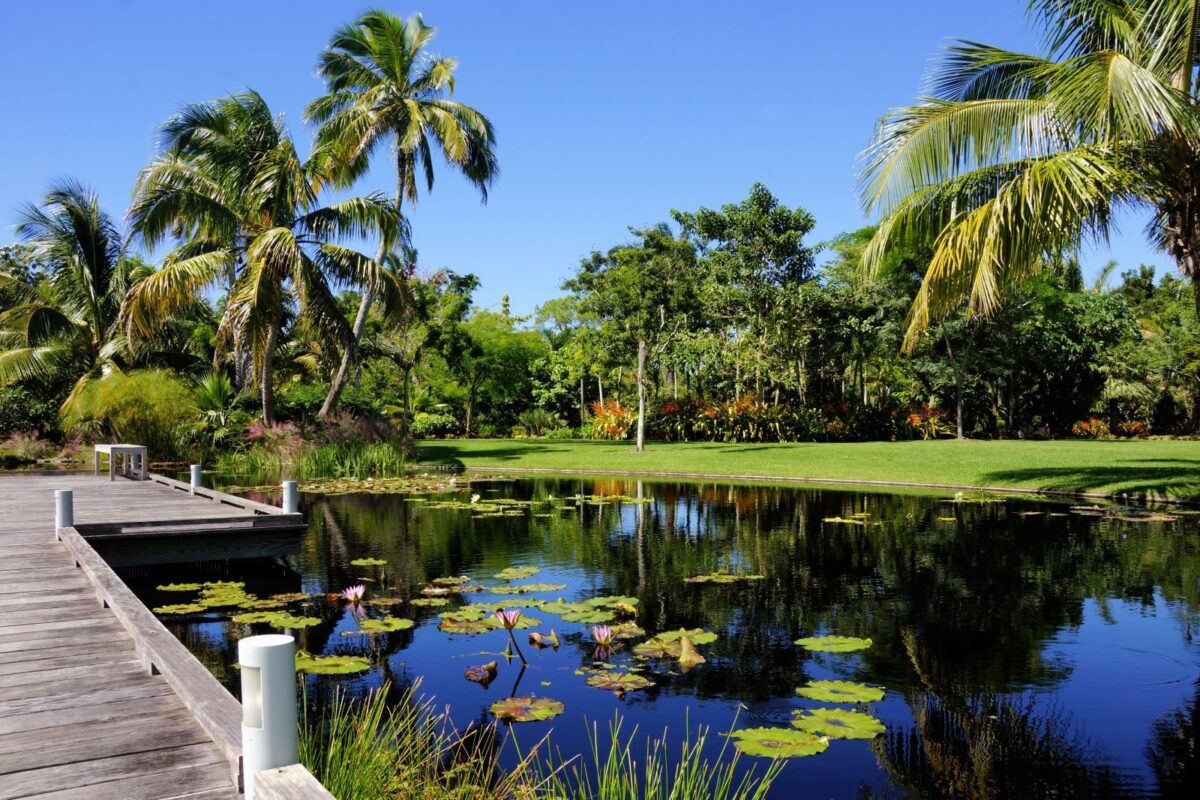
269	735
64	509
291	497
195	477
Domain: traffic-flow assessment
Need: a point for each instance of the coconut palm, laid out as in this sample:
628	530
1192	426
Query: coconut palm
384	88
64	323
1014	160
230	187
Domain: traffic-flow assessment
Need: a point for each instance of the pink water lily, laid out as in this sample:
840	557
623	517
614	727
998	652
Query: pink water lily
354	594
509	617
602	634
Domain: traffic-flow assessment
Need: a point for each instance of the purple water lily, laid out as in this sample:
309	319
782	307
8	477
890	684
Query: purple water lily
508	618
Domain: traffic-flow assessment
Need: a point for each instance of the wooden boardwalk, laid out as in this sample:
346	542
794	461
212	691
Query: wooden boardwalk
84	712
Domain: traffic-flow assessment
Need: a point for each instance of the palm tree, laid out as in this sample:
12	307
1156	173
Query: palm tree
65	323
383	87
1014	160
245	208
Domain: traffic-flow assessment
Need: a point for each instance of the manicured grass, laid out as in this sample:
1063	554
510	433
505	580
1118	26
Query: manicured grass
1149	468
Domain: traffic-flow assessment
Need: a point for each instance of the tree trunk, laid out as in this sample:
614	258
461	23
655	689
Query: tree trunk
600	388
582	407
641	391
405	410
958	395
266	388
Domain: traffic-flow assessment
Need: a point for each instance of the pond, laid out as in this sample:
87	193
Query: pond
1024	648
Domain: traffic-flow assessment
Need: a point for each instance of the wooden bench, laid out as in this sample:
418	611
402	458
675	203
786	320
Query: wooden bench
125	453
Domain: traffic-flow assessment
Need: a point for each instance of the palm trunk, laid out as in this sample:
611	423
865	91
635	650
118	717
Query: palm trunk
641	392
266	378
600	388
364	306
582	407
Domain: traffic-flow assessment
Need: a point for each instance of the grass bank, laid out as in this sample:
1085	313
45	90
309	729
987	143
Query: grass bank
1153	469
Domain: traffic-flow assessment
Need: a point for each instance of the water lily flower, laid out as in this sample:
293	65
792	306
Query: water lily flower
509	618
354	594
474	499
602	634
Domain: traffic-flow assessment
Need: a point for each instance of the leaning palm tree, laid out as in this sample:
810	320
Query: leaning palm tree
64	325
1014	160
244	209
384	88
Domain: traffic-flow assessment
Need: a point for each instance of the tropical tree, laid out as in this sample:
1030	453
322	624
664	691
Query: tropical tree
385	88
1014	160
245	208
60	319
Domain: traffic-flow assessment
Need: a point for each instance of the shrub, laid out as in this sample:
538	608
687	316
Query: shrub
1134	429
539	421
26	447
928	422
431	426
611	420
566	433
1091	428
21	411
147	407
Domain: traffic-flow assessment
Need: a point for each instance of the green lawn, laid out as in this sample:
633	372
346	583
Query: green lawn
1154	468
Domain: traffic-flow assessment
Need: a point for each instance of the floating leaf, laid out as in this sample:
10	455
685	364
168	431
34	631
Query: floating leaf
527	709
429	601
464	626
465	614
840	692
547	640
618	681
689	657
181	608
385	625
724	576
842	521
368	562
778	742
180	587
627	630
669	644
482	674
516	573
251	617
457	580
385	601
838	723
834	644
290	597
522	588
437	591
287	622
255	603
330	665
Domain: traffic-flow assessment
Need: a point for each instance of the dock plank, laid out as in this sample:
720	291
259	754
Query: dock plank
81	715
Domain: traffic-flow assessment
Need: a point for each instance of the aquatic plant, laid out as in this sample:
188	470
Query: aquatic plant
355	593
834	644
179	587
724	576
840	692
509	619
838	723
526	709
778	742
180	608
602	635
482	674
368	562
516	573
330	665
618	681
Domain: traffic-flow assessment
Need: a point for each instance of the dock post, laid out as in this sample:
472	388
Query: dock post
64	509
291	497
195	477
269	735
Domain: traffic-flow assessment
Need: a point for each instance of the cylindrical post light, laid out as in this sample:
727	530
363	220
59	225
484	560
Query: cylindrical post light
291	497
269	735
64	509
195	477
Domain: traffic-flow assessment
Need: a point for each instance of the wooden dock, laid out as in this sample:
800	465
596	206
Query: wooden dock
97	699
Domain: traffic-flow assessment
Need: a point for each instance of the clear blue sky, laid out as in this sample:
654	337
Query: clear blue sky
608	114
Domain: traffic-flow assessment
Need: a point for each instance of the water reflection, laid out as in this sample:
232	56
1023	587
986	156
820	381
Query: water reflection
1027	651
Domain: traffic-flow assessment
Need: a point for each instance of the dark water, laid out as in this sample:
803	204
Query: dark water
1025	655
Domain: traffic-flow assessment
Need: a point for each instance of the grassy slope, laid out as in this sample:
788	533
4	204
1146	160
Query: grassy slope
1151	468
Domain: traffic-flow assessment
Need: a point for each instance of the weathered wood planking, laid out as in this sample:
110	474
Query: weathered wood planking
97	699
289	783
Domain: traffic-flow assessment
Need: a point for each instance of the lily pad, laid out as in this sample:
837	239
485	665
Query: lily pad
456	580
385	601
259	604
527	709
181	608
466	614
385	625
840	692
723	576
180	587
288	622
618	681
841	521
778	742
429	601
464	626
838	723
369	562
482	674
516	573
330	665
290	597
523	588
834	644
669	644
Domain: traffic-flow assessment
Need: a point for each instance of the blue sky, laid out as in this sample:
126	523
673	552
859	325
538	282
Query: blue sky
608	114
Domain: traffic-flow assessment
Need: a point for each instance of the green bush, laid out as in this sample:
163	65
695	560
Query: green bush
566	433
147	407
430	426
538	421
